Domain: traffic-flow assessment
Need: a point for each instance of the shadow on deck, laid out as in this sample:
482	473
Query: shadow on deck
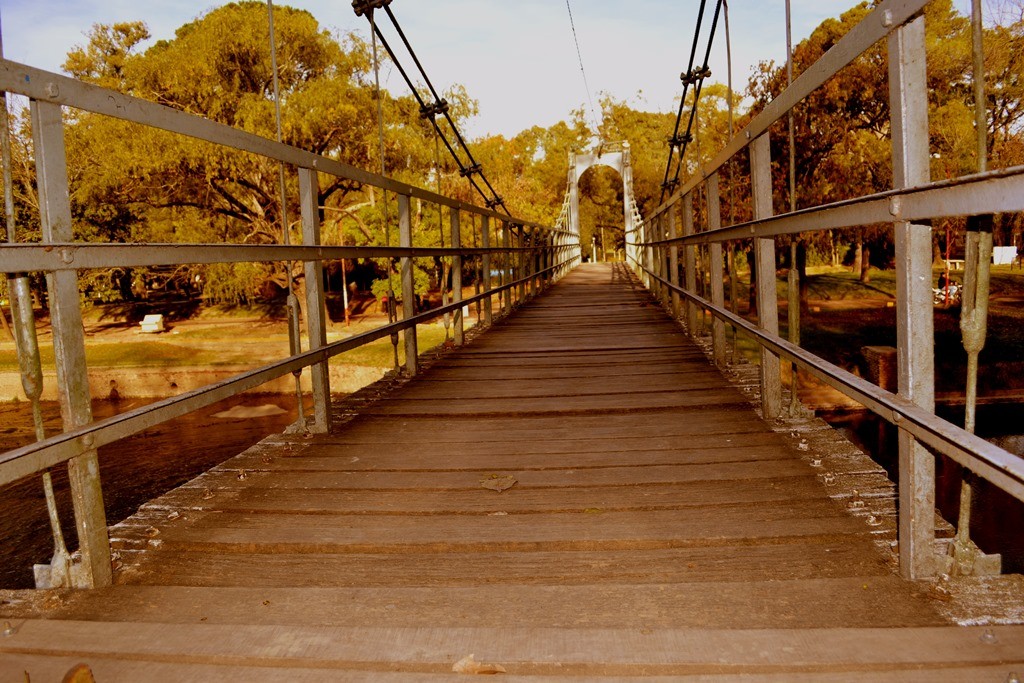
655	526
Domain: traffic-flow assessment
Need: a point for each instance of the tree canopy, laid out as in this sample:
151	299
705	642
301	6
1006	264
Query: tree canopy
134	183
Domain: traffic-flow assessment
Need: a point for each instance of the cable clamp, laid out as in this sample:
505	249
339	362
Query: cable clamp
494	203
431	111
680	140
691	77
361	7
470	170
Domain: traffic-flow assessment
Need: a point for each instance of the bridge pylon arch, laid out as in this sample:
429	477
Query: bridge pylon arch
615	155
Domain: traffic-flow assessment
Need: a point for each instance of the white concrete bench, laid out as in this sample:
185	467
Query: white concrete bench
152	324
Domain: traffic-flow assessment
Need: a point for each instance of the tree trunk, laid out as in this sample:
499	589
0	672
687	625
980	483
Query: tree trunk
3	322
865	265
936	251
858	256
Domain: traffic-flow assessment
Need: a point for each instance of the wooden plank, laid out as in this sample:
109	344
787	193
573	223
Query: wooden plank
518	387
544	478
589	500
780	522
557	404
802	560
805	603
112	670
514	455
533	651
530	451
733	418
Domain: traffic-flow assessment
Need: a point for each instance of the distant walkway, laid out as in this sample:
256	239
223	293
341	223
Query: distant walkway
654	526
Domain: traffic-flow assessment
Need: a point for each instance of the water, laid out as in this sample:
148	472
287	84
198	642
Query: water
133	470
997	519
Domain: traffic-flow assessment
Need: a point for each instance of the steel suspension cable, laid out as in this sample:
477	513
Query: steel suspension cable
579	56
438	100
294	334
392	310
464	170
439	106
682	101
698	78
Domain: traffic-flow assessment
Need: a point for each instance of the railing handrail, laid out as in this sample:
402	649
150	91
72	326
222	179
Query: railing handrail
53	256
46	86
996	191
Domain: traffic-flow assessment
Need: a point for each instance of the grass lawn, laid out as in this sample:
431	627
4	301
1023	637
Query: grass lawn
231	343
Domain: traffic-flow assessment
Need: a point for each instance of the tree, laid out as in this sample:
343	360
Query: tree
138	183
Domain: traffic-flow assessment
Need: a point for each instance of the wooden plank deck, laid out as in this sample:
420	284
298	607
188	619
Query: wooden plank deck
657	528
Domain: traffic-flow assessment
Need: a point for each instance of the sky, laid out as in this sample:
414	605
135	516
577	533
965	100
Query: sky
517	58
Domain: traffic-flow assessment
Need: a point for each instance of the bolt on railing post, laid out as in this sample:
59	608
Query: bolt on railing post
717	272
408	284
69	347
673	259
908	104
767	296
689	265
456	239
316	307
485	275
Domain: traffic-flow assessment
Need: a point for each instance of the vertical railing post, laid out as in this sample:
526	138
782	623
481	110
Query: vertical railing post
767	296
316	309
531	264
507	267
521	262
657	290
408	284
689	265
648	234
673	258
717	274
666	258
69	347
485	275
456	239
908	104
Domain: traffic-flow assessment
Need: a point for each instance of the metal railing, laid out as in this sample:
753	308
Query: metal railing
528	257
655	245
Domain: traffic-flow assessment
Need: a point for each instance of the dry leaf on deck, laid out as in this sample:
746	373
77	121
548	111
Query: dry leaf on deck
468	665
499	484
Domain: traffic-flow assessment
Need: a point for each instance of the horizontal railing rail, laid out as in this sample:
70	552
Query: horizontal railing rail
21	462
998	191
54	256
